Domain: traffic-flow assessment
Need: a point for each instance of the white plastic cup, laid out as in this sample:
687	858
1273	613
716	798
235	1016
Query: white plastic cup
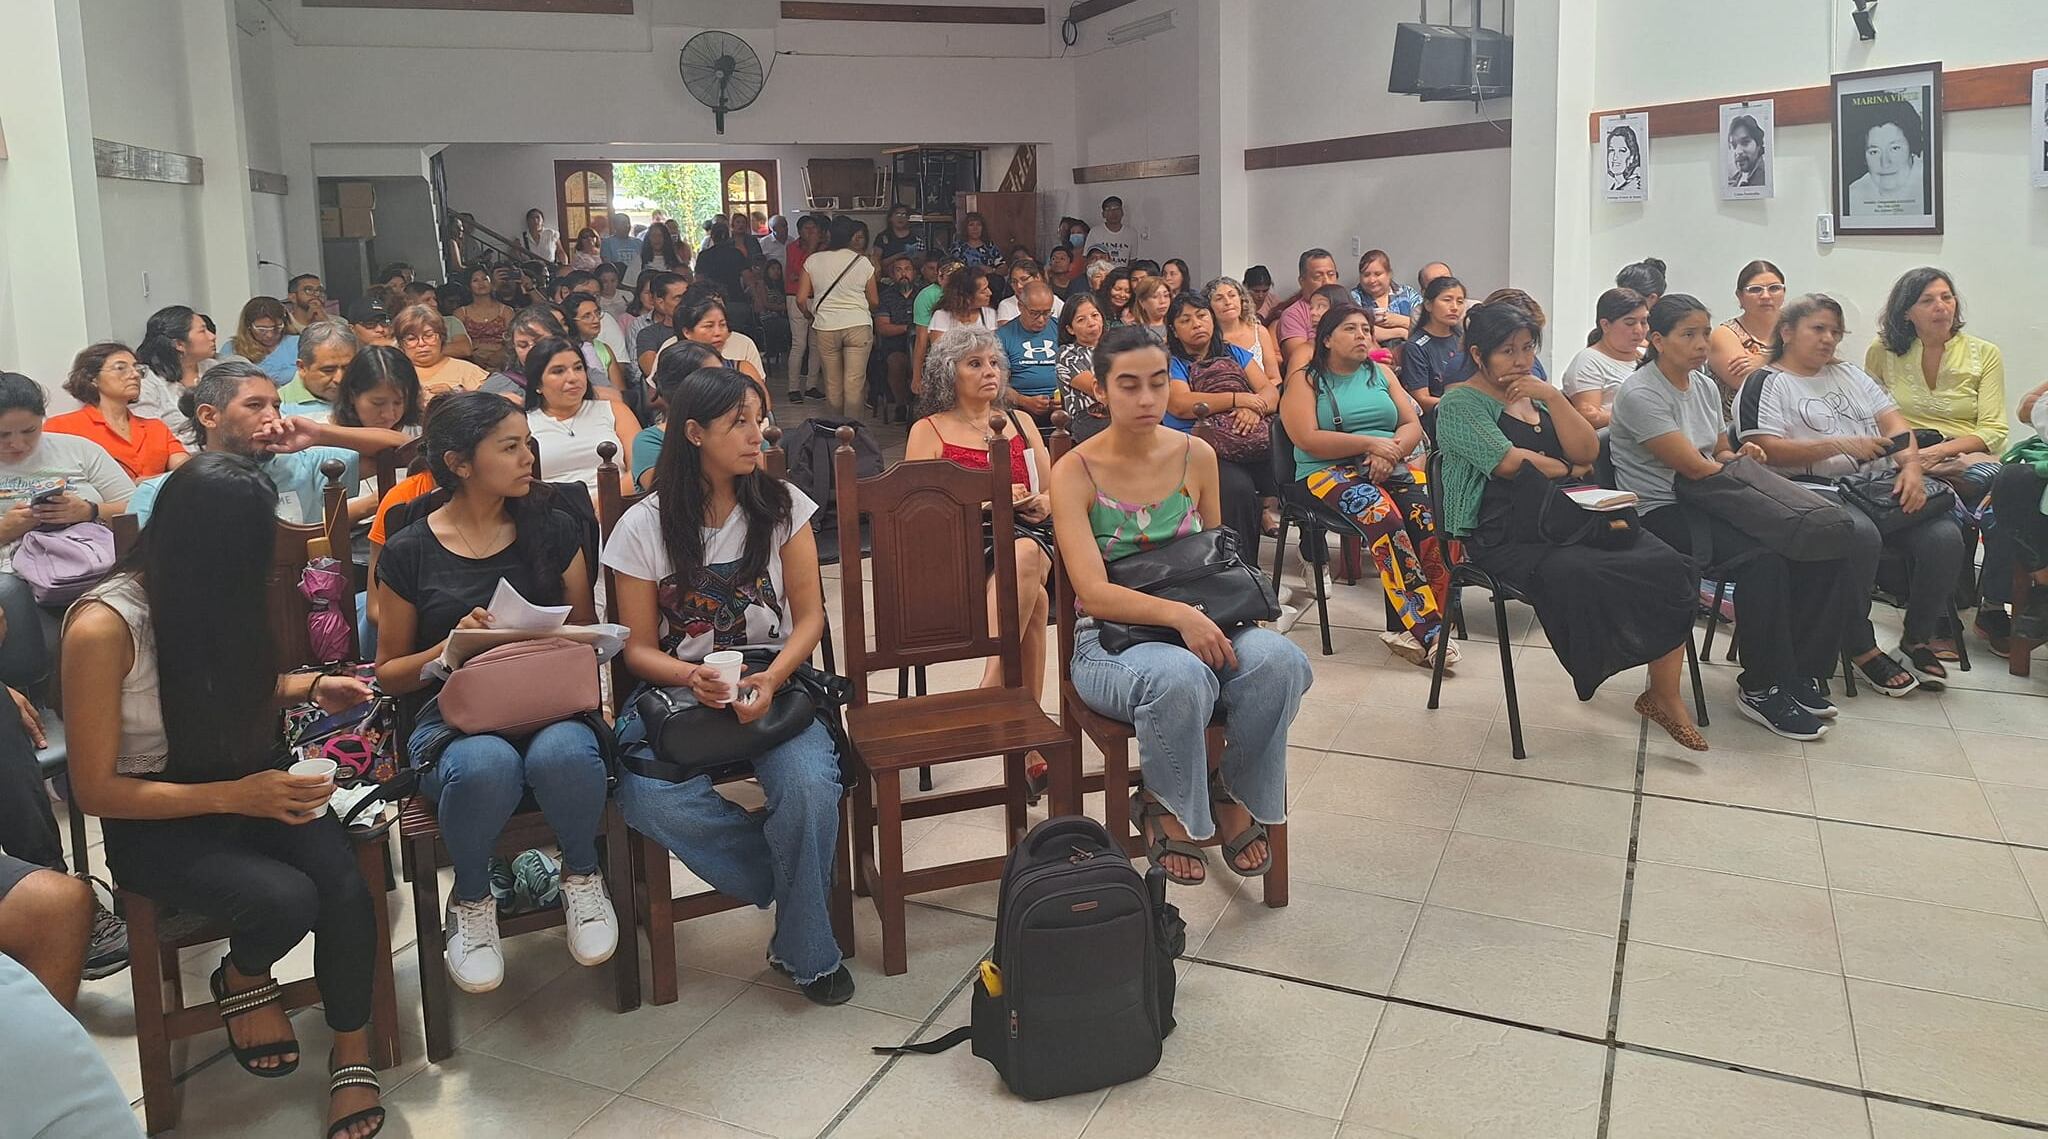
727	663
324	768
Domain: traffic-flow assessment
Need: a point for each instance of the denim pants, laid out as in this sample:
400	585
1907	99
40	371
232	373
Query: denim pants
479	781
784	855
1167	694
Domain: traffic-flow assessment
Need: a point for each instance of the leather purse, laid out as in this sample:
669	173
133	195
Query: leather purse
1544	513
516	690
689	739
1871	492
1205	570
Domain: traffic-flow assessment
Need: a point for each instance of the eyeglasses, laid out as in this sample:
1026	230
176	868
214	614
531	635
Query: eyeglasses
420	338
1763	290
266	329
1037	313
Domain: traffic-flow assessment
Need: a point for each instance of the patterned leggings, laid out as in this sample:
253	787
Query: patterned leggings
1401	535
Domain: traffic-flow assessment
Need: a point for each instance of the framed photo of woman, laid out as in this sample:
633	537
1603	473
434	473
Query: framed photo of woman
1887	152
1625	157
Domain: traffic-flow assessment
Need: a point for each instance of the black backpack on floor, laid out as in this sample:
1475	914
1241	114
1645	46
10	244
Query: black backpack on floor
1082	971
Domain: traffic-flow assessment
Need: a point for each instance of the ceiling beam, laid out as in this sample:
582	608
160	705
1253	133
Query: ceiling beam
910	13
1089	9
568	7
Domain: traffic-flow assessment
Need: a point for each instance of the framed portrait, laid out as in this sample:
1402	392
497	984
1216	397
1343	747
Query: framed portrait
1887	150
1625	157
1749	139
2037	157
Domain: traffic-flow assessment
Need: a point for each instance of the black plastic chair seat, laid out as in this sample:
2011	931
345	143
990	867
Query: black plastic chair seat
52	758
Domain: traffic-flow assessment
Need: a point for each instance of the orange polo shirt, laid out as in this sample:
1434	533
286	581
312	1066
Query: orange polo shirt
407	489
146	455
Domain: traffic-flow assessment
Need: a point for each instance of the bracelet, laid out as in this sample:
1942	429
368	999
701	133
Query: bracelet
95	511
313	689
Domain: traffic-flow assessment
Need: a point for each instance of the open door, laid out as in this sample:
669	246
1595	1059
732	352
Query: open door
749	187
583	196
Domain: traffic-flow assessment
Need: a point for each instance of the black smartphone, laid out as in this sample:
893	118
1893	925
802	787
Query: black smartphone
1899	443
47	494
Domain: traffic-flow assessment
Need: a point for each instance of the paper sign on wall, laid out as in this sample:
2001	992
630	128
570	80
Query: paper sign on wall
1749	145
1625	157
2039	155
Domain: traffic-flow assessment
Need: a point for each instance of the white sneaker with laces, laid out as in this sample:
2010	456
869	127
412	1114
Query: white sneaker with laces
475	963
593	926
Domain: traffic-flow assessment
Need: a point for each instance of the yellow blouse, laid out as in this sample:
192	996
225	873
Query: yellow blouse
1968	397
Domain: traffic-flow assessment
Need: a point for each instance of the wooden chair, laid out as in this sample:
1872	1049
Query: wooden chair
156	935
393	464
931	601
1114	736
654	902
419	832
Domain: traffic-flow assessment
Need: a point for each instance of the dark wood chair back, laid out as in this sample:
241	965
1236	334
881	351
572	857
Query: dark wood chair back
612	505
930	580
127	529
393	464
289	555
777	463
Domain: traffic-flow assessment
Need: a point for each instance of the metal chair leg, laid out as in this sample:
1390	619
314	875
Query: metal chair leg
1713	620
1319	544
1848	675
1507	670
1279	552
1955	617
1436	672
1699	691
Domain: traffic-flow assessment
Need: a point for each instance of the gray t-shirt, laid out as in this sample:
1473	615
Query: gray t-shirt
1647	406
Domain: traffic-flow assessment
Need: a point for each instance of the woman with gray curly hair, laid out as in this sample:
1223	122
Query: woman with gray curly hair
966	378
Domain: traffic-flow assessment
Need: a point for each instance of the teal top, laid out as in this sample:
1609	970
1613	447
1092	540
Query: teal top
1469	438
1125	528
1361	403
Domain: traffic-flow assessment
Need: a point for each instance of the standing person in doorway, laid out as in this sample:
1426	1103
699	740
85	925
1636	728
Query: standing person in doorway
620	247
540	241
837	296
804	363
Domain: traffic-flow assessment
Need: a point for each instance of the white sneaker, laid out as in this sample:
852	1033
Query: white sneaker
593	927
475	963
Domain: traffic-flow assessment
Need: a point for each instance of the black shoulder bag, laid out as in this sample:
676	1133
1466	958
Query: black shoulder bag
1205	570
690	739
1543	513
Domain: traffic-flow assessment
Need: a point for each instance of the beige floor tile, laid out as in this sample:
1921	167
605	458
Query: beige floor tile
1988	956
1302	765
2006	759
1922	707
1527	882
1906	799
1674	1099
958	1093
1743	1012
1373	855
1394	731
1323	934
2034	867
1319	722
1758	844
1952	1050
1430	1075
1535	974
629	1118
1258	1038
774	1062
474	1094
1469	693
531	961
2022	812
732	944
1751	918
220	1101
567	1029
1860	740
943	947
1400	792
1578	818
1774	782
1548	699
1161	1107
1997	712
1568	757
1926	868
1897	1121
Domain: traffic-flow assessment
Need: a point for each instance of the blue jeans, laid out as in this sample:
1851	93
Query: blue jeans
479	782
784	855
1167	694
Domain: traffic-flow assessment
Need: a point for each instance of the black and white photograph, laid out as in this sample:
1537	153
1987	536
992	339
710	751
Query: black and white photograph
1749	139
1625	157
2037	155
1887	134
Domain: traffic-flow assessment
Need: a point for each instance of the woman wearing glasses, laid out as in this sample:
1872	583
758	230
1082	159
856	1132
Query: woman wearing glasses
1743	341
261	337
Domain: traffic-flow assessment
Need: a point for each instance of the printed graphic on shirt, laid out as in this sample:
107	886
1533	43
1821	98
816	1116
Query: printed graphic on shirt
713	603
16	490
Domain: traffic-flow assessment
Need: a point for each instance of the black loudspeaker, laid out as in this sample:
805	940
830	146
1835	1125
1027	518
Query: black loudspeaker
1436	62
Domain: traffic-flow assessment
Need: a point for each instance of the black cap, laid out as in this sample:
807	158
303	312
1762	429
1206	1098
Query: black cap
367	310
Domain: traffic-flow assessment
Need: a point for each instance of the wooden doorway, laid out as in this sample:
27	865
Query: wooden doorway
749	187
583	197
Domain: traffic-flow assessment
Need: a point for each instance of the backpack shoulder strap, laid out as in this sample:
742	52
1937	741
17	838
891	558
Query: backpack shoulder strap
952	1039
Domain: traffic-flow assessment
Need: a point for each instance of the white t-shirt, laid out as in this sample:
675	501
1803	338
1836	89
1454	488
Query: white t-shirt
542	247
80	465
738	347
1010	310
159	400
710	611
568	448
1595	371
943	320
846	305
1116	241
1841	401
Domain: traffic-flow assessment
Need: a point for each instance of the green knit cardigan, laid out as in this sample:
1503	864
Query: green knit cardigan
1469	436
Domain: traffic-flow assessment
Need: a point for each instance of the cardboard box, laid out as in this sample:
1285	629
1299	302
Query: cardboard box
330	223
358	223
357	195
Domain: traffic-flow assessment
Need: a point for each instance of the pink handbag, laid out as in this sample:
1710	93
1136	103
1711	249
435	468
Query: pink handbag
520	688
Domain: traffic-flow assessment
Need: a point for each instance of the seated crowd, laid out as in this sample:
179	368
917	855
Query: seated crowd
1429	427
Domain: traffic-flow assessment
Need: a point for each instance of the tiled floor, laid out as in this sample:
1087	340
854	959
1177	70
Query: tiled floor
1611	938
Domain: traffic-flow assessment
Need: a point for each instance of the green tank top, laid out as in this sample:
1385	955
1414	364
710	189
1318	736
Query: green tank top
1125	528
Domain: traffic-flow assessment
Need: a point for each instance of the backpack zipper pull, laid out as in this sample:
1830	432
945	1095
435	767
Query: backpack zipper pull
1013	1024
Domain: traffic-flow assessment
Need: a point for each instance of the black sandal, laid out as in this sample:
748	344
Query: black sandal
1158	846
1251	834
1924	660
1884	674
354	1076
233	1005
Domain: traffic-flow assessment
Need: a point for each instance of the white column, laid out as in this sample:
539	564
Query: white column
53	277
221	139
1223	72
1551	163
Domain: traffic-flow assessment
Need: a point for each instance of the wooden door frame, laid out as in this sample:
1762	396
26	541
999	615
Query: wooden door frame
565	167
765	167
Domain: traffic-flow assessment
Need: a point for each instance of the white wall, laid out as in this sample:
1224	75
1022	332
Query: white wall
1997	226
1320	71
1133	102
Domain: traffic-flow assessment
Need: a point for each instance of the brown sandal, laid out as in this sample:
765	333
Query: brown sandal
1687	736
